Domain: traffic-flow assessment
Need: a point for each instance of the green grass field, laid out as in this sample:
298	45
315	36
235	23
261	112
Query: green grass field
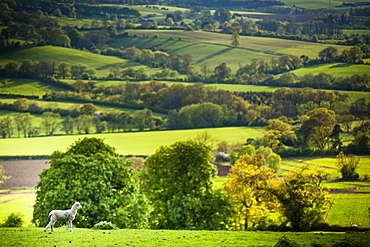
327	163
358	31
158	238
128	143
101	64
336	69
70	105
318	4
350	208
25	86
312	50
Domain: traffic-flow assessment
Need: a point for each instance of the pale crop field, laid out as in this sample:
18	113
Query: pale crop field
312	50
318	4
336	69
127	143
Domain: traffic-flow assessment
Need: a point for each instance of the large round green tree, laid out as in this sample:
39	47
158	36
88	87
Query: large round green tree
92	173
178	182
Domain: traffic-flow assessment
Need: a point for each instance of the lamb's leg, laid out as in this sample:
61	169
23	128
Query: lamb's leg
52	226
49	225
70	226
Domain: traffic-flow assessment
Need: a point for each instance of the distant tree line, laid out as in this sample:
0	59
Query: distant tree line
81	120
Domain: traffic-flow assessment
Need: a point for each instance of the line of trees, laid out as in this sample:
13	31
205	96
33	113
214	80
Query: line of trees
176	190
81	120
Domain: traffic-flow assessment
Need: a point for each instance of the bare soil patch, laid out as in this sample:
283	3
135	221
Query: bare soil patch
24	173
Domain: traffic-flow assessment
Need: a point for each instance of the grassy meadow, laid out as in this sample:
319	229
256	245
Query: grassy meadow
128	237
127	143
25	86
335	69
101	64
318	4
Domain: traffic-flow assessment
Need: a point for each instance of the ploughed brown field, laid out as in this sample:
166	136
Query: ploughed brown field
24	173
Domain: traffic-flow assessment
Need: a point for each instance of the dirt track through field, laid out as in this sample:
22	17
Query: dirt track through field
23	173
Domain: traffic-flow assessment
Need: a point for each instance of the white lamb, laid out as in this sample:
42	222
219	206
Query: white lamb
63	215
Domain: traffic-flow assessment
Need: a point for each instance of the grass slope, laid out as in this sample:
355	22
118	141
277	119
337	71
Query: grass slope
25	86
128	237
137	143
335	69
317	4
55	54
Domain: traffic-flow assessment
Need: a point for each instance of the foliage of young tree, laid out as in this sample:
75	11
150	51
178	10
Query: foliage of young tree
3	177
142	119
23	123
50	121
92	173
6	127
68	125
248	185
235	39
178	182
347	166
305	203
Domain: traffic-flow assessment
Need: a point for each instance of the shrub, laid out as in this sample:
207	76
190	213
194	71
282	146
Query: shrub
14	220
286	242
104	225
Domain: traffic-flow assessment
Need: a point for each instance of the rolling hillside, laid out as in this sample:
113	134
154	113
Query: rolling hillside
101	64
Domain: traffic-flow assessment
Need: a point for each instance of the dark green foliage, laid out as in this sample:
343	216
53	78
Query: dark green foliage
286	242
349	243
179	185
13	220
348	166
93	174
304	202
105	225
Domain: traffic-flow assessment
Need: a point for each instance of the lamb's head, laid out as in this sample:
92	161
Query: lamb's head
77	205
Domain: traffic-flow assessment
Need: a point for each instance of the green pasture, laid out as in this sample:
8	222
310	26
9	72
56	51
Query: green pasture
311	50
127	143
101	64
66	21
17	201
350	208
317	4
211	54
261	44
71	105
25	86
328	163
336	69
355	32
181	238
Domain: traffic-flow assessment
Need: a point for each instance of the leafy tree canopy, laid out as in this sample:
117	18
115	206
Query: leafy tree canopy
179	185
92	173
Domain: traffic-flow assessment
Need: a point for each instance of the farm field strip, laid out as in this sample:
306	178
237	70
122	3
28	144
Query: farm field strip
317	4
263	44
127	143
25	86
70	105
336	69
181	238
100	63
350	208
